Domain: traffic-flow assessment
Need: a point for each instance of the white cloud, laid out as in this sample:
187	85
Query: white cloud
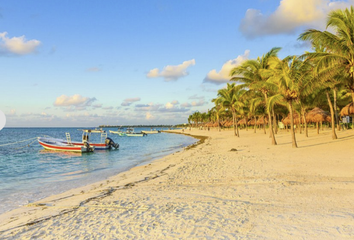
170	72
17	45
73	103
149	116
290	16
129	101
147	107
171	105
223	75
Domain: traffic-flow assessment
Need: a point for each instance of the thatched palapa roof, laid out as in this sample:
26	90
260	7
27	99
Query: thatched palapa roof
347	110
318	115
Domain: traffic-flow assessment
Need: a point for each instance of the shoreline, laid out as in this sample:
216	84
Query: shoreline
47	201
228	187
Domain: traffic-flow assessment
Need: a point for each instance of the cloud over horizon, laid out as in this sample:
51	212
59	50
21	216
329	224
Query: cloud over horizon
73	103
17	45
171	72
129	101
290	16
223	75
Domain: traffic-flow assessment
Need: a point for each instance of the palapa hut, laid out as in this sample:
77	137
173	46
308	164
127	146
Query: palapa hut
251	122
262	120
242	122
286	120
317	115
347	110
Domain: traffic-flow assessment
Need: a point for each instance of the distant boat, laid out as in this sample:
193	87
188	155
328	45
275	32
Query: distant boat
129	133
152	131
119	132
60	145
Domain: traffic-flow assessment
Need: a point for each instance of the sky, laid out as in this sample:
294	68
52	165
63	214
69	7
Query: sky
86	63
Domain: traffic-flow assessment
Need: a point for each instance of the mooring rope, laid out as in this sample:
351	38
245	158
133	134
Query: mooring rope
18	142
27	145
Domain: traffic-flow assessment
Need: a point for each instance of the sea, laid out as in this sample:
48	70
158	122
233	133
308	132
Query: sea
29	173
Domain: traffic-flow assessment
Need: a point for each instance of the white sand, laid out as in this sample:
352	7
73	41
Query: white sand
259	191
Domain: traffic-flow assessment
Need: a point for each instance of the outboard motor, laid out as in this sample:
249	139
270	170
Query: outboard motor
87	145
110	142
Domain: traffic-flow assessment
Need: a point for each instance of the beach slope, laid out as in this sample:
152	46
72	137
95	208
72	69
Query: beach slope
225	188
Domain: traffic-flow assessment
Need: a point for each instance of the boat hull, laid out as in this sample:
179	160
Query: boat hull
98	146
56	145
150	132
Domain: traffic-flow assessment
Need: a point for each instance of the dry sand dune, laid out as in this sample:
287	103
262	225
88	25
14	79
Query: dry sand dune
259	191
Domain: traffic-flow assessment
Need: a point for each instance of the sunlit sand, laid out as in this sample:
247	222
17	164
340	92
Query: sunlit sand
224	188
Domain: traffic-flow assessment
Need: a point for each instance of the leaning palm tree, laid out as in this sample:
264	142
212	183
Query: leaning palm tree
291	76
251	74
339	54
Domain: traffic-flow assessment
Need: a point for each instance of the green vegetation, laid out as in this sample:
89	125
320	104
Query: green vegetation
270	89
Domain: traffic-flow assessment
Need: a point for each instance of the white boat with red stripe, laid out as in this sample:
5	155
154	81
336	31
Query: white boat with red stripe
60	145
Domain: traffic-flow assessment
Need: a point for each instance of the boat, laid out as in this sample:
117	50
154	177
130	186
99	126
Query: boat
152	131
128	133
119	132
105	144
60	145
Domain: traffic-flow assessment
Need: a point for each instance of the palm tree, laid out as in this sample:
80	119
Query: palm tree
339	54
251	73
291	76
229	98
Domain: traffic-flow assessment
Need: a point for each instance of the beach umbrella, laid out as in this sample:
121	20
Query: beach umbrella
347	110
296	117
318	115
262	120
242	122
251	122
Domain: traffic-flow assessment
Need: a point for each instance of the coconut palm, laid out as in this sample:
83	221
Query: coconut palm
291	76
229	98
251	74
339	48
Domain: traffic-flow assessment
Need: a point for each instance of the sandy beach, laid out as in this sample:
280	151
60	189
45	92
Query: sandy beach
224	188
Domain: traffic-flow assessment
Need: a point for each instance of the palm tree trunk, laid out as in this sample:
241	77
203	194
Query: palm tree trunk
246	124
274	121
300	125
238	133
233	119
335	108
264	126
218	119
274	142
255	124
305	123
294	144
334	135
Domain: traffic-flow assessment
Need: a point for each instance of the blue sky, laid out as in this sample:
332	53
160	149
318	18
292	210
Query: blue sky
87	63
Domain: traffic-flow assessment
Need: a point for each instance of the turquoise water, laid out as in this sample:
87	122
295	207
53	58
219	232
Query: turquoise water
29	173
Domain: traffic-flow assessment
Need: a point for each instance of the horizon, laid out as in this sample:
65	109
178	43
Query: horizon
90	63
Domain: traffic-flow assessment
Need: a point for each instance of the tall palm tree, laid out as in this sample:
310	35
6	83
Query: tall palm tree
251	73
291	75
339	54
